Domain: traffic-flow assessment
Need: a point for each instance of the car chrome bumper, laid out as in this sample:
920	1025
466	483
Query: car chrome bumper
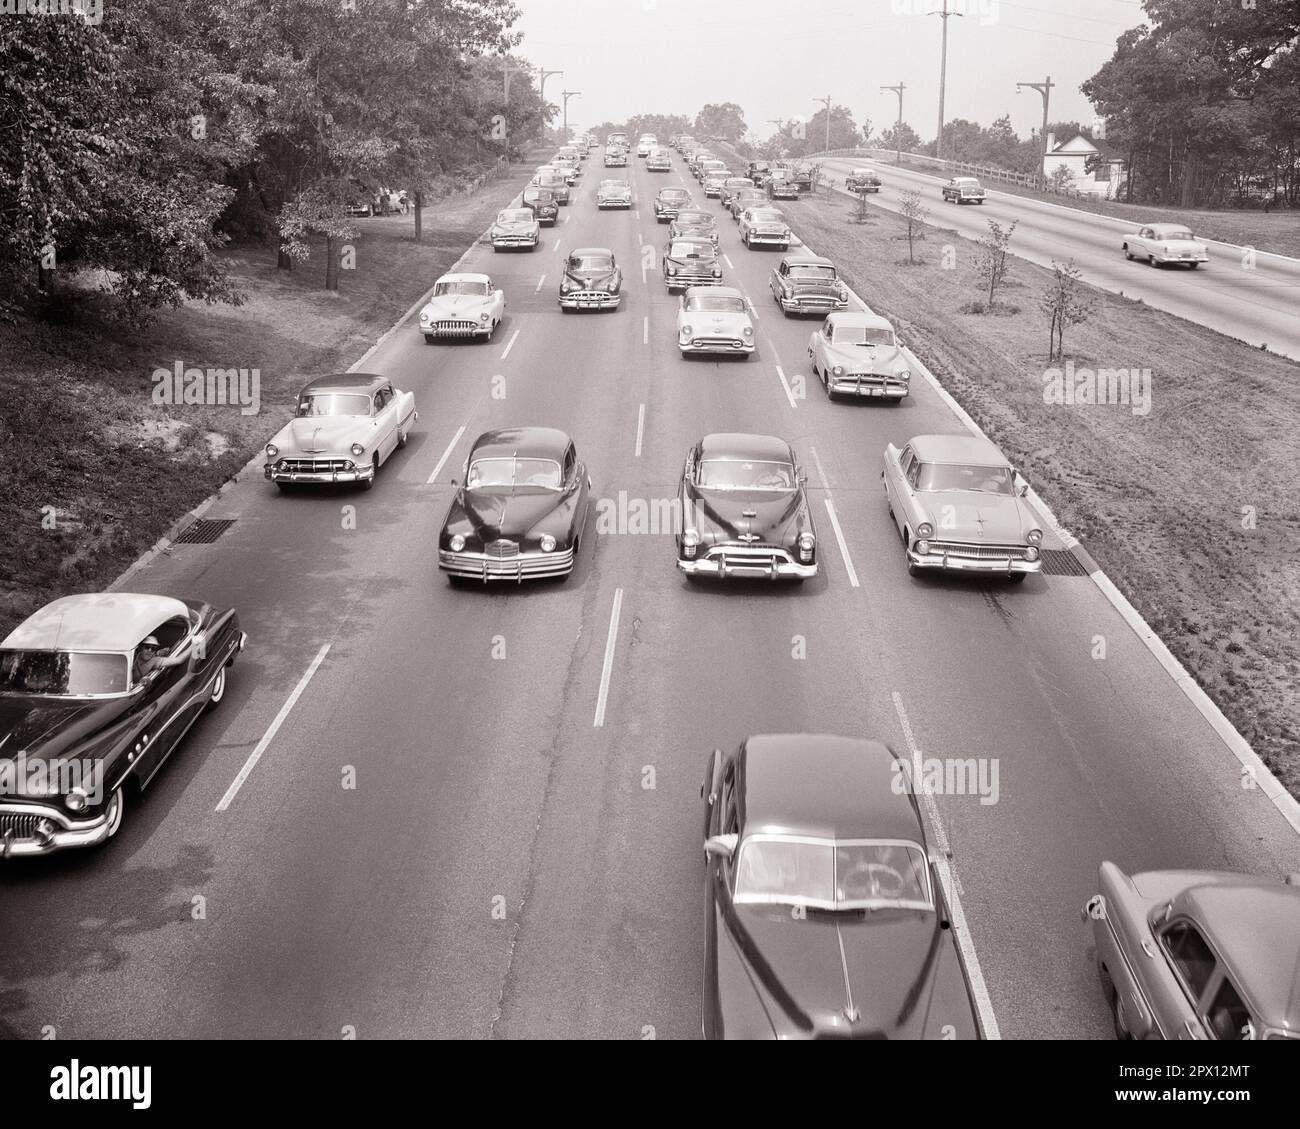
1181	258
50	828
515	241
685	282
275	472
756	237
526	566
715	345
851	386
587	301
813	305
742	567
613	203
997	566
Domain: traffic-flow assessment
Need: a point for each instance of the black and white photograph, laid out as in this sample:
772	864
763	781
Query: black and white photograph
649	520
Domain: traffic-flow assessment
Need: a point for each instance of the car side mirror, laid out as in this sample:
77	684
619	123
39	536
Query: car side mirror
1021	485
721	846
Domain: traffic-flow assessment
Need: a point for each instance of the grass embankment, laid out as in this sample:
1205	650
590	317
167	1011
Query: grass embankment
98	471
1191	509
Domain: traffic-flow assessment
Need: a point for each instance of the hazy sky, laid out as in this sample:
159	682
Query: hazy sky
773	57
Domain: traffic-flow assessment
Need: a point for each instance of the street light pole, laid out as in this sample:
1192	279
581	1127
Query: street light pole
898	128
1045	89
566	95
543	74
945	15
827	103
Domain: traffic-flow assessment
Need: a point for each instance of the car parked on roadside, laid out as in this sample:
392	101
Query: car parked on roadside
1166	244
714	319
858	354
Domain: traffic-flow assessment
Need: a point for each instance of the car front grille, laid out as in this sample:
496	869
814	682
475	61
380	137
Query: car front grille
749	555
978	552
719	342
502	550
454	328
314	466
18	825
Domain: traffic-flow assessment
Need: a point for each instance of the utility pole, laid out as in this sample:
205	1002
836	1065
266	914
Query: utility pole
543	74
827	103
945	15
566	95
898	128
1045	89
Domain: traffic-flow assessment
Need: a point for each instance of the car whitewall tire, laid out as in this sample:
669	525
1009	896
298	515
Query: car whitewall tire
218	690
117	802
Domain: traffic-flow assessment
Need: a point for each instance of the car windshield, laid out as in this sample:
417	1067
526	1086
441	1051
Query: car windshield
766	216
674	194
515	215
813	273
739	182
538	196
715	304
615	184
967	182
734	474
862	335
513	473
460	286
845	874
335	404
713	166
691	249
64	673
703	218
977	479
591	262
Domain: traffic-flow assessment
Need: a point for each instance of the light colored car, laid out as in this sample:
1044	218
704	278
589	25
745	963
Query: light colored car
960	506
714	319
660	160
807	284
704	168
730	187
615	157
781	184
764	227
555	180
744	199
569	167
463	305
1186	954
646	144
614	194
592	280
964	190
856	354
714	180
1164	243
345	429
516	227
690	260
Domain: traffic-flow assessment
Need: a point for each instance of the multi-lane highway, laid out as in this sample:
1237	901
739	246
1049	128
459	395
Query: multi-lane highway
520	854
1253	297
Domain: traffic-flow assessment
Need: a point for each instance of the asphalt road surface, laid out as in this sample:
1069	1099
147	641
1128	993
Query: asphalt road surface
1253	298
505	866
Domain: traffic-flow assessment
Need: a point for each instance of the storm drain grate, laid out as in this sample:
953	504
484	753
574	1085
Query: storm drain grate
205	531
1062	562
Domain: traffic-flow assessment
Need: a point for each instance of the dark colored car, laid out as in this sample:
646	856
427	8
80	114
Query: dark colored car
541	202
824	915
862	180
694	221
757	171
520	510
592	280
745	512
691	260
745	199
96	690
670	201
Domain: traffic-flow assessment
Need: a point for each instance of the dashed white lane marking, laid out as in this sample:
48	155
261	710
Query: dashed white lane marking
445	455
269	735
640	429
844	548
608	667
514	337
952	888
540	283
727	259
789	395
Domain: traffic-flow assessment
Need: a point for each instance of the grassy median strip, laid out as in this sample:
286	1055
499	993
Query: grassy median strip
1190	506
98	470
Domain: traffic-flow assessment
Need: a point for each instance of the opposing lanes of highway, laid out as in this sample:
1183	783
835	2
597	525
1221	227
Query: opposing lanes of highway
1253	298
504	865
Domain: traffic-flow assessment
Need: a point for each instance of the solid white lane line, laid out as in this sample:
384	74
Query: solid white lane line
789	395
844	548
269	735
645	331
821	470
640	429
952	888
540	283
445	455
727	259
511	344
608	668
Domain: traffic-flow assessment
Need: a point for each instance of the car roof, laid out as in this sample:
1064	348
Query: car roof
586	252
1168	226
970	449
695	209
740	446
674	188
827	786
1255	926
463	276
94	621
528	442
702	240
714	291
367	382
806	261
858	320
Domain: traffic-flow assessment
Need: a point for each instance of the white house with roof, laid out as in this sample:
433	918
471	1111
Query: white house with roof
1073	156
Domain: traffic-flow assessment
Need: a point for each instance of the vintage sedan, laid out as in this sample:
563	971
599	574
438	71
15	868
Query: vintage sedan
862	180
964	190
569	168
960	506
614	194
615	157
745	511
516	227
520	510
1187	954
743	200
764	227
646	144
670	201
346	428
807	284
714	319
781	185
690	260
713	182
1163	244
96	690
730	187
541	202
758	171
859	355
463	305
660	160
554	180
691	222
824	915
711	168
591	281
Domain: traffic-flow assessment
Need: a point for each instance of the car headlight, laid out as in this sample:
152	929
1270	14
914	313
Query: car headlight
903	374
749	331
564	287
1034	536
483	316
838	370
923	547
717	272
357	449
76	800
272	450
424	315
548	543
925	529
457	543
687	330
672	270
